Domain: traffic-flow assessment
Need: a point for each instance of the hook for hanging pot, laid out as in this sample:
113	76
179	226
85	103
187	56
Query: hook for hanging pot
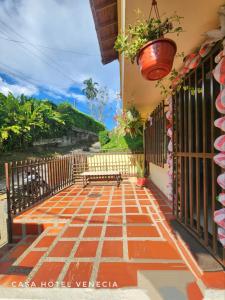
154	7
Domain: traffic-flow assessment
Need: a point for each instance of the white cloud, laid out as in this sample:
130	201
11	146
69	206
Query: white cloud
78	97
17	89
58	24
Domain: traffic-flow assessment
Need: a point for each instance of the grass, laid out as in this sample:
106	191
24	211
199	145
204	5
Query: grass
125	143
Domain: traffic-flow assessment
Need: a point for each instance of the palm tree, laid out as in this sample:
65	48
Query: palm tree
91	92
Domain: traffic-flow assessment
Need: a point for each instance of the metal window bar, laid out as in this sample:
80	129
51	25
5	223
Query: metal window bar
195	173
155	137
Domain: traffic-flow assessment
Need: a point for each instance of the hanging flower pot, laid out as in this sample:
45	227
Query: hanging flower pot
145	43
156	58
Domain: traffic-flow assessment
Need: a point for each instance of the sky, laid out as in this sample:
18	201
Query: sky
48	48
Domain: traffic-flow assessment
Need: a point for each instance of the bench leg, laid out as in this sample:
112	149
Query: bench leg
84	181
118	179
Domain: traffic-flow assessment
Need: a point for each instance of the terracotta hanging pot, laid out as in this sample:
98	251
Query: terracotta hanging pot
155	58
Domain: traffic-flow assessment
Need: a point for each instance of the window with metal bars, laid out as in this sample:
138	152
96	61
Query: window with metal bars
195	187
155	137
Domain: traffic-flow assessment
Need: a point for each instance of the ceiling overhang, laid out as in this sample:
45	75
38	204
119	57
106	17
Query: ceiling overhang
106	24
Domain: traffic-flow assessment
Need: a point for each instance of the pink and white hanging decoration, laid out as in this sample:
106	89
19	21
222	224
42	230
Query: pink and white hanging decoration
219	144
169	116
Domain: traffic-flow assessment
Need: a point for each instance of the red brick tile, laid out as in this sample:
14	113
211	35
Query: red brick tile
72	232
4	266
87	249
31	228
133	219
104	198
115	210
88	204
30	239
31	259
68	198
55	198
17	251
214	280
84	211
54	230
45	241
194	292
69	211
55	210
120	273
165	209
48	273
144	202
78	274
132	210
79	220
62	249
114	231
142	231
94	231
62	194
130	197
12	280
17	229
112	249
73	194
115	219
151	249
140	196
144	210
38	211
61	204
97	219
130	202
102	203
116	198
100	210
74	204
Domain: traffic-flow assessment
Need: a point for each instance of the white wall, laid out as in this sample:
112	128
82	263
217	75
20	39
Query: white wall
3	222
159	177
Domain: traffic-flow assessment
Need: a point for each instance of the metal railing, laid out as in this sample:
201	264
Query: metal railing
29	182
124	162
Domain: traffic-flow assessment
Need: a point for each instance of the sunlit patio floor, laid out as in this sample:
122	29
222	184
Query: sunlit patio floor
101	234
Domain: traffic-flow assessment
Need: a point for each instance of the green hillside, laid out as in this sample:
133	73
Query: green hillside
117	142
24	120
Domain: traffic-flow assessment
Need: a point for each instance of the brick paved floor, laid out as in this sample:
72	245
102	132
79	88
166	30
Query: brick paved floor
100	233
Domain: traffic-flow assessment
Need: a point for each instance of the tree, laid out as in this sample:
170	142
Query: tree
102	101
91	92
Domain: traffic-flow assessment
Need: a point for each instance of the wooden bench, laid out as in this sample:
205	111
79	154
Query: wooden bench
101	176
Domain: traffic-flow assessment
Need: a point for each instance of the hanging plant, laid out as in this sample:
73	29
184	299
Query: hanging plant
129	122
145	42
174	83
